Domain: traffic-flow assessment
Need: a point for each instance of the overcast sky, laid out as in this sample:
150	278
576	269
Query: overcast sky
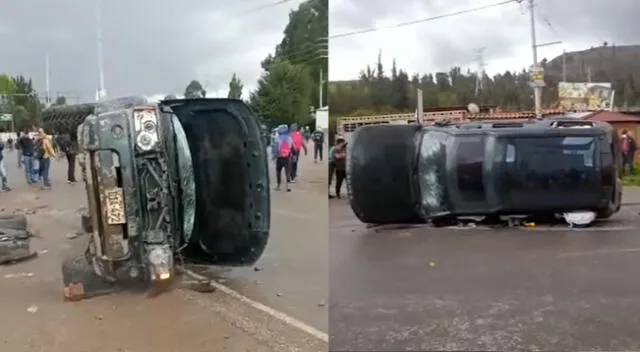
150	47
441	44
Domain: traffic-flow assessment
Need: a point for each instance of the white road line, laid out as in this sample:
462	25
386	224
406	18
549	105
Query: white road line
598	252
263	308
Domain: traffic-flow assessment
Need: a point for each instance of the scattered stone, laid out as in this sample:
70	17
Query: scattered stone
278	294
32	309
203	286
322	303
257	268
73	235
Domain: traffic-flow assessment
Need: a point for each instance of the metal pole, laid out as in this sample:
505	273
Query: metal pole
101	92
320	90
564	65
419	108
47	80
537	91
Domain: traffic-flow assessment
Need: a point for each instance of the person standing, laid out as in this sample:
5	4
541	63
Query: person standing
339	160
298	144
19	150
4	177
67	147
318	144
282	149
26	148
45	155
628	149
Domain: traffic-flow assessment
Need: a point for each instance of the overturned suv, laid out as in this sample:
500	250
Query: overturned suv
181	180
544	168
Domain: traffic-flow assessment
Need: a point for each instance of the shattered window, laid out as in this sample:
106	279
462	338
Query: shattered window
432	171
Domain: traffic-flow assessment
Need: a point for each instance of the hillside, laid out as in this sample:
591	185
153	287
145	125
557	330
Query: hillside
607	63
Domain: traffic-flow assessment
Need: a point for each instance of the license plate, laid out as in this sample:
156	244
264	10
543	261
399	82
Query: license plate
114	202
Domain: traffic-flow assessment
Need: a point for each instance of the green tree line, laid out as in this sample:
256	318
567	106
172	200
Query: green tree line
380	90
289	87
19	100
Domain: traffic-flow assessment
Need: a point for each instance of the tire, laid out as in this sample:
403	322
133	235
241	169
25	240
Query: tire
380	181
87	224
66	118
13	222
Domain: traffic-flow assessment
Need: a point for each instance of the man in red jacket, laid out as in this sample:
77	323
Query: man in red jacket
298	143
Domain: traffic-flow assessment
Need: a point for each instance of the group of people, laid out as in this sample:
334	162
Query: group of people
35	153
286	146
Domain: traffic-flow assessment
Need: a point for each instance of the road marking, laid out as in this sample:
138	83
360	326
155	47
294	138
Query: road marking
601	251
263	308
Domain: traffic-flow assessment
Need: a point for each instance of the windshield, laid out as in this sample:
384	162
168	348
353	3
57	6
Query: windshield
432	171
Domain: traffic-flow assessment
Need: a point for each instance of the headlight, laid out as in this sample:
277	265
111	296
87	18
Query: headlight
146	141
145	120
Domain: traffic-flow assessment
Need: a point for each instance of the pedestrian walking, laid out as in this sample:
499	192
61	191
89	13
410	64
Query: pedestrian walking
45	155
26	147
338	165
298	145
628	149
318	144
282	150
4	177
67	147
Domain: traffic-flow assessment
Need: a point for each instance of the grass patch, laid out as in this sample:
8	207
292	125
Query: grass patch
631	180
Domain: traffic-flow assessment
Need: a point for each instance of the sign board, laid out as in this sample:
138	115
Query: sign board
536	76
580	96
6	117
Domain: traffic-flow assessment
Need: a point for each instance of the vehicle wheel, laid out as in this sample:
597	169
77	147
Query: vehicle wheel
87	224
14	222
380	182
66	118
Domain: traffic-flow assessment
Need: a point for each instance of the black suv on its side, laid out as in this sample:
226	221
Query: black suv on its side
411	173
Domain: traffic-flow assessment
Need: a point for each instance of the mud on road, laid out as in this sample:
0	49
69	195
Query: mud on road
37	319
546	288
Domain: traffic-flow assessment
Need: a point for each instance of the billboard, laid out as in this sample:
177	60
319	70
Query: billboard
585	96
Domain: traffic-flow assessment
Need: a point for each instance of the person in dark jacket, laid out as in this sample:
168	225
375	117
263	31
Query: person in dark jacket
27	146
67	146
628	148
339	161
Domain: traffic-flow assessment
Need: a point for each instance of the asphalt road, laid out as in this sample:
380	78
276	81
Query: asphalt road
179	320
547	288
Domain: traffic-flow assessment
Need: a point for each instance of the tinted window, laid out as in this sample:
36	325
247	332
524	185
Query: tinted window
549	153
469	161
432	171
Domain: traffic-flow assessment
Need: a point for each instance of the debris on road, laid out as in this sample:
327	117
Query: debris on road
32	309
15	275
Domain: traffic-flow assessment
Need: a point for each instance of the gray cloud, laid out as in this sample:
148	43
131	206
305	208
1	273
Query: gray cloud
149	46
450	42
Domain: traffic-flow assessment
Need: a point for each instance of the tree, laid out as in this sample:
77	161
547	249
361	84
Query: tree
282	95
235	88
305	43
194	90
60	100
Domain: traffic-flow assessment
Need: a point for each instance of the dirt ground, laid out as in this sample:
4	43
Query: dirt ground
37	318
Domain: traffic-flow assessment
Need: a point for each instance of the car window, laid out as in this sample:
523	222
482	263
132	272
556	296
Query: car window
432	171
469	162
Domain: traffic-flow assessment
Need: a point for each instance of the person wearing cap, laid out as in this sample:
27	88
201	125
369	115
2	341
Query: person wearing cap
338	165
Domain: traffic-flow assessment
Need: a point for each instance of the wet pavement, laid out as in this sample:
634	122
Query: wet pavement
292	275
179	320
546	288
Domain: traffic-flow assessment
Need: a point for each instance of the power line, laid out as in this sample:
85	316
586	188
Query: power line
265	6
422	20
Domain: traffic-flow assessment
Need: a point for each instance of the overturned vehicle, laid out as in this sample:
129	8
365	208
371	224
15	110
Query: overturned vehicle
179	181
551	168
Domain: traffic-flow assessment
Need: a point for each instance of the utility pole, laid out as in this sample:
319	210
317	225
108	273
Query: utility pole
47	72
537	91
320	86
480	73
588	74
102	93
564	65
